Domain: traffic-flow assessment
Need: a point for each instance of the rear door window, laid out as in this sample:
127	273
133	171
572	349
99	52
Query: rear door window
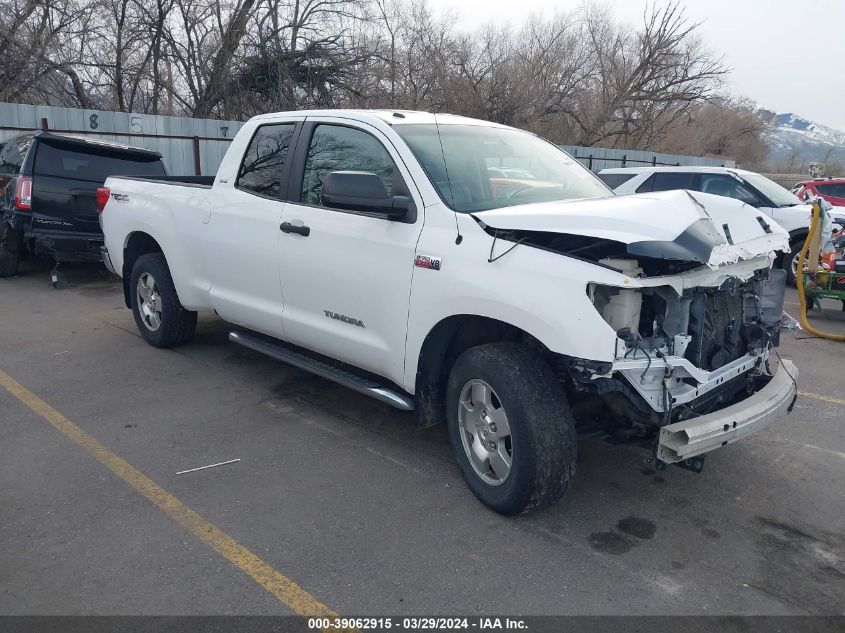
92	164
264	160
614	180
667	181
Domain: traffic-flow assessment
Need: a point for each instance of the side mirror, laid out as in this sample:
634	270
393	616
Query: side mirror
362	191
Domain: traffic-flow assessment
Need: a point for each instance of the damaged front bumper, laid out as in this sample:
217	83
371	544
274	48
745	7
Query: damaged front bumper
683	440
647	376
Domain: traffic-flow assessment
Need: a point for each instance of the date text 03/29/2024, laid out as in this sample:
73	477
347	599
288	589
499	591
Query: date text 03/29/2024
419	623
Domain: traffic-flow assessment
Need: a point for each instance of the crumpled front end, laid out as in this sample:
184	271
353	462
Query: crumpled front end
685	283
690	349
666	231
674	347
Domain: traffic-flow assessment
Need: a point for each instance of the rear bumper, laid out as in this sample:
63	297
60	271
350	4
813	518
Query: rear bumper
682	440
68	246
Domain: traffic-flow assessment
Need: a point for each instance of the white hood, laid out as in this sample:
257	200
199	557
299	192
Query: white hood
652	217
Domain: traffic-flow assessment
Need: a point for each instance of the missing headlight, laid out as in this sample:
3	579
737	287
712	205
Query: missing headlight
619	307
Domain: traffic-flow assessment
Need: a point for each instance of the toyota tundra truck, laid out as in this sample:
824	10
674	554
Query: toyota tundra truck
476	275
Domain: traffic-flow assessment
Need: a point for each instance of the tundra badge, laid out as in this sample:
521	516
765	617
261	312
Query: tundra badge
344	318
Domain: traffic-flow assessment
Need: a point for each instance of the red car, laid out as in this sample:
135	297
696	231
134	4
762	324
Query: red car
831	189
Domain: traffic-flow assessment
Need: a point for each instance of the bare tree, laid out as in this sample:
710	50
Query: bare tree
121	62
644	77
720	127
203	38
40	45
577	77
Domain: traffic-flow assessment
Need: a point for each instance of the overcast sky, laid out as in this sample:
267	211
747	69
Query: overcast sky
788	55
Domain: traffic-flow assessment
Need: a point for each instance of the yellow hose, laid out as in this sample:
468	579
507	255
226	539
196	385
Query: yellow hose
815	226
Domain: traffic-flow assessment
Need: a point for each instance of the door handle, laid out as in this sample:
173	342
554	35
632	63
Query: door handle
299	229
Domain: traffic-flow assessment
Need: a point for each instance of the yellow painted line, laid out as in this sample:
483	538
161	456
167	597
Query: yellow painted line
822	397
282	587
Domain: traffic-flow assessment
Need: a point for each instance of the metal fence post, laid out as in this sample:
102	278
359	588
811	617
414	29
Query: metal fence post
590	164
624	159
197	162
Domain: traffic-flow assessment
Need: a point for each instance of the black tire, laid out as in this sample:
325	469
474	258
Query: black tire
543	441
10	250
176	325
786	262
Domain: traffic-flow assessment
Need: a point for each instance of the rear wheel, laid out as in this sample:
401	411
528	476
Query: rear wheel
511	428
10	250
160	318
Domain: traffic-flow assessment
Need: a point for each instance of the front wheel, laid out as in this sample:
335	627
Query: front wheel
511	428
160	318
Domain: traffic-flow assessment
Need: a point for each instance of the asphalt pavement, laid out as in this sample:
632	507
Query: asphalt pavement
342	498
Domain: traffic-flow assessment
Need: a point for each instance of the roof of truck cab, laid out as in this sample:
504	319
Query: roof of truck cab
391	117
675	168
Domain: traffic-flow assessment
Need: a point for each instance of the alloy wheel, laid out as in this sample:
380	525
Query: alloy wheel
149	302
485	432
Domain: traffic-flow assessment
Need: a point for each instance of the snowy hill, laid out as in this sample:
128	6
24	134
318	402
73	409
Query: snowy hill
798	140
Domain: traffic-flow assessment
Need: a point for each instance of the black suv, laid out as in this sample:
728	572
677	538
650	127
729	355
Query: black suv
48	194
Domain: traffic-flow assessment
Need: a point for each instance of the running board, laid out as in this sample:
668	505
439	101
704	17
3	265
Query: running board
281	352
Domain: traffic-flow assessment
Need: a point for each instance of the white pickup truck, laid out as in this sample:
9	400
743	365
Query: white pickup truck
475	274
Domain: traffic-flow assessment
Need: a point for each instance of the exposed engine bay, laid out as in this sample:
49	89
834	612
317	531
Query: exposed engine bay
682	354
690	307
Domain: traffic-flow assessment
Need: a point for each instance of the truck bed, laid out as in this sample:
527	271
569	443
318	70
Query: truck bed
202	182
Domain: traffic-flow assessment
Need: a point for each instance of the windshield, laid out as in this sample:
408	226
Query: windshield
476	167
773	191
